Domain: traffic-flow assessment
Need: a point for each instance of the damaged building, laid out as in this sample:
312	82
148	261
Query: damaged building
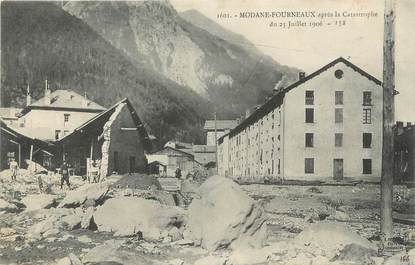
23	148
64	125
115	139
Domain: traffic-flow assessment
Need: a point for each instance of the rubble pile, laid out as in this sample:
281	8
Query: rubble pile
131	221
92	194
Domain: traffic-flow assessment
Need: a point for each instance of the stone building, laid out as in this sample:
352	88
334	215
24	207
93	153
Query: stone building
172	158
327	125
115	137
57	114
222	127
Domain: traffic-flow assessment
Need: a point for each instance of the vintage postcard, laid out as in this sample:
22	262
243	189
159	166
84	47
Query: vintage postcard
207	132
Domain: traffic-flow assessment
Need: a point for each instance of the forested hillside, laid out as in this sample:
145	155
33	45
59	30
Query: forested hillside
41	41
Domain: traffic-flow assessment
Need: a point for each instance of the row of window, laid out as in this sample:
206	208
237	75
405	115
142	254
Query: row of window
338	97
338	140
338	115
309	165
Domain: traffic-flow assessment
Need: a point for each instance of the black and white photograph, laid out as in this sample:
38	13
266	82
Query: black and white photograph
207	132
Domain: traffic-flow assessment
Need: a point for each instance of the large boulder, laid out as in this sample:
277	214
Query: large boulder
332	237
111	253
126	216
39	201
6	206
87	192
225	215
54	219
356	253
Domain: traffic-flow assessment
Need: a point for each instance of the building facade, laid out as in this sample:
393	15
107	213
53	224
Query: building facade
115	139
9	116
327	125
172	158
217	129
57	114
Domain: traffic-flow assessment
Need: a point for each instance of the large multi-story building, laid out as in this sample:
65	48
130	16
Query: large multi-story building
327	125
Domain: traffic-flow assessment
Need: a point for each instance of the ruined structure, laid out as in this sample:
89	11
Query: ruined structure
116	139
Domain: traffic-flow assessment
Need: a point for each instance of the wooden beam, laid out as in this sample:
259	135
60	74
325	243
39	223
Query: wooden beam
129	129
92	148
386	224
31	153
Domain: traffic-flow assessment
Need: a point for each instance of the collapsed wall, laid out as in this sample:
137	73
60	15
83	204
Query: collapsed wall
123	146
106	134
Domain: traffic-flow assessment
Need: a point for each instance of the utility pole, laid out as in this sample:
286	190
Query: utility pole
386	223
216	147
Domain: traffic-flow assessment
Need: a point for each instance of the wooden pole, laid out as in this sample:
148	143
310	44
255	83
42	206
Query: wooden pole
20	156
31	153
388	120
216	147
92	149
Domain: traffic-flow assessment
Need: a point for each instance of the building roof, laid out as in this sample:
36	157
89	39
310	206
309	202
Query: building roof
178	145
65	99
9	113
204	149
180	151
100	119
22	136
220	125
277	99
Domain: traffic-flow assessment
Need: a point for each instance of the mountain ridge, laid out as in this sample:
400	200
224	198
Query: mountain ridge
42	41
227	74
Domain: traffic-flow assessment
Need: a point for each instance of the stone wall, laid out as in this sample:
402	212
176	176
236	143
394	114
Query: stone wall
120	146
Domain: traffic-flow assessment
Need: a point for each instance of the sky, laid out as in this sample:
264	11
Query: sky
360	40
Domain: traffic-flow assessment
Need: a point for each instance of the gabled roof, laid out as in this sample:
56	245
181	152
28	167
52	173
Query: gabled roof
220	124
178	145
100	119
180	151
277	99
65	99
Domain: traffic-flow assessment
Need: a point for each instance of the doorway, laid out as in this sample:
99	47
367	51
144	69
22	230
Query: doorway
338	169
132	164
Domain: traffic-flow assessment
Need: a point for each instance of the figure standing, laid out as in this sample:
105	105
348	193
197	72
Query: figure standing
14	168
65	174
178	173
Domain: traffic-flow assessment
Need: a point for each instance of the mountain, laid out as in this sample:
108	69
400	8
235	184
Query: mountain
41	41
153	34
198	19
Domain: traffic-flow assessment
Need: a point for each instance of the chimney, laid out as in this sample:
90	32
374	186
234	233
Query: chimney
247	113
86	101
301	75
48	99
28	97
